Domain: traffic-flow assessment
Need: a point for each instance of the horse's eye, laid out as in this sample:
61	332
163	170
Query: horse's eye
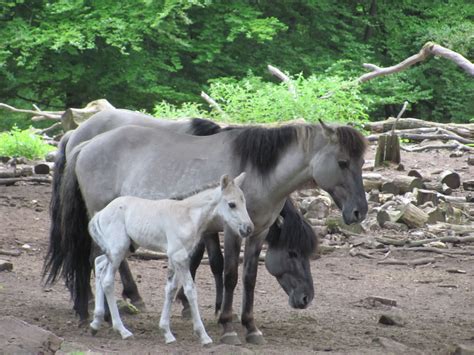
343	164
292	254
231	205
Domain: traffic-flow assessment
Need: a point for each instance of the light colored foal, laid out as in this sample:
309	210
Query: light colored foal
173	226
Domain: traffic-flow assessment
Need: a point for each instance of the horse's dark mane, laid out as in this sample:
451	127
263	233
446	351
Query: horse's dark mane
203	127
352	141
294	234
262	147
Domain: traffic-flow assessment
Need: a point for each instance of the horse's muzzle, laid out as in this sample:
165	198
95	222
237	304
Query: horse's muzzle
246	230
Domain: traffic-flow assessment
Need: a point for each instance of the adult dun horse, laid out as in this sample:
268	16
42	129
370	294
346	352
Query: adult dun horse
290	244
156	163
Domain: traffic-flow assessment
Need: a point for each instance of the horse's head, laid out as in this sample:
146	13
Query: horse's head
232	206
290	245
337	169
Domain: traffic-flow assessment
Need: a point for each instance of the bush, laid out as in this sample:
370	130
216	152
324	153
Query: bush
24	143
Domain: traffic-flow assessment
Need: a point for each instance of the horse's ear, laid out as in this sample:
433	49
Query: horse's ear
328	131
224	181
240	179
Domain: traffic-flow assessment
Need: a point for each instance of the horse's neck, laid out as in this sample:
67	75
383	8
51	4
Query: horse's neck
202	206
293	169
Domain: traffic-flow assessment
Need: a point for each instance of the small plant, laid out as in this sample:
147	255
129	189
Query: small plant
23	143
187	109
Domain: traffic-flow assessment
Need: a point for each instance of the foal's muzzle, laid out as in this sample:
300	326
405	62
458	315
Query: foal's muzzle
246	230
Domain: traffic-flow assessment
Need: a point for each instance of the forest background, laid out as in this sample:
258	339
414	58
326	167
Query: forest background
158	56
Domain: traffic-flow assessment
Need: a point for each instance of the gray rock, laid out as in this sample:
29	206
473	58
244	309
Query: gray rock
5	265
19	337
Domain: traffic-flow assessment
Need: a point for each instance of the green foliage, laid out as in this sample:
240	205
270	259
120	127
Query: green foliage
136	53
186	110
23	143
254	100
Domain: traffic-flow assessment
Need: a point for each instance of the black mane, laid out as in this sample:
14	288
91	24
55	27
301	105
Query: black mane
262	147
294	234
203	127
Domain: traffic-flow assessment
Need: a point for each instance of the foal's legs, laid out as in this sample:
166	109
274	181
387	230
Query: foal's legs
170	291
182	270
107	282
99	311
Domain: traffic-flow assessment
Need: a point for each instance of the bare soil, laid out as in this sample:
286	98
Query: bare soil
436	307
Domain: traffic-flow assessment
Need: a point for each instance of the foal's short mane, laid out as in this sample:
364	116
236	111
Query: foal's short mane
352	141
185	195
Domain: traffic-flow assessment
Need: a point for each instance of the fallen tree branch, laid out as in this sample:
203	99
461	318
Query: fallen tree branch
409	134
448	239
11	181
453	145
213	103
415	262
283	77
448	252
428	50
50	115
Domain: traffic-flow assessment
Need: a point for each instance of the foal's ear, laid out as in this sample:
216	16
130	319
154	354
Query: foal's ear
240	179
329	131
225	181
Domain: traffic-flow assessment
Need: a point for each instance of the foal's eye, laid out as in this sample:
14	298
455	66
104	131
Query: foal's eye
343	164
231	205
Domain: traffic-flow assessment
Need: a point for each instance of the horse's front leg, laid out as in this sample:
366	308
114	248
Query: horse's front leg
130	289
253	246
232	244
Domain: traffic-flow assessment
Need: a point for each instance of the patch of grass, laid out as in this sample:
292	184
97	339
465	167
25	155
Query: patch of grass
23	143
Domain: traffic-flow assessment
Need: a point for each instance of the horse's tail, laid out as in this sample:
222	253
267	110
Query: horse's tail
76	241
55	256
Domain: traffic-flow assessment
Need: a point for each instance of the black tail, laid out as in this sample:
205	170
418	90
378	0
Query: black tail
76	241
55	256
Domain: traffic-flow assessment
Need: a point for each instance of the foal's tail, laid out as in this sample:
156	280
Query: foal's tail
55	255
76	241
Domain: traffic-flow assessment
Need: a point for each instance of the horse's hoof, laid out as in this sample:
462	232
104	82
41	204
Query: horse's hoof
93	331
255	338
170	340
186	313
140	305
83	323
127	335
230	338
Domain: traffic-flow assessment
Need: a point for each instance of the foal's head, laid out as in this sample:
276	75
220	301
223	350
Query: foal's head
232	206
337	169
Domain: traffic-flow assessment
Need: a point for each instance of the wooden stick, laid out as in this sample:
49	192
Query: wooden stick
48	115
213	103
448	239
415	262
454	145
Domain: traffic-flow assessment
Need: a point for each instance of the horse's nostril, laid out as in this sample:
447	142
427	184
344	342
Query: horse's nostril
249	230
357	214
305	300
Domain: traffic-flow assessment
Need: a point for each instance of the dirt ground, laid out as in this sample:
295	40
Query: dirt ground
436	308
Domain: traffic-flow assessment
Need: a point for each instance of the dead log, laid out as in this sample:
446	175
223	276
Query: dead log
447	239
423	196
450	178
388	150
468	185
43	168
413	216
12	181
73	117
451	145
463	130
456	228
390	188
435	214
407	183
439	187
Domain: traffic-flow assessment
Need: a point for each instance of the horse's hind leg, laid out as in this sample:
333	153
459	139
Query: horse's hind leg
195	261
216	261
99	311
130	289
